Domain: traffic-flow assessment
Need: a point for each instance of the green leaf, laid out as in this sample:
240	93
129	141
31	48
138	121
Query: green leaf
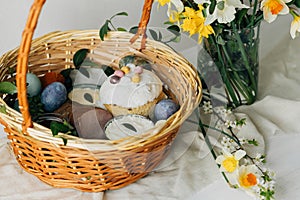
7	88
159	36
153	34
168	23
108	70
79	57
221	5
66	72
57	127
174	29
121	29
241	122
134	29
212	6
3	109
177	39
297	3
253	142
240	15
119	14
104	30
65	141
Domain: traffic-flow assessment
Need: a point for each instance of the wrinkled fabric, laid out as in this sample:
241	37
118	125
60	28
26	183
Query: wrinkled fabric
189	171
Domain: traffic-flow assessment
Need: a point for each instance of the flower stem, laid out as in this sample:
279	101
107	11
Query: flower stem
224	74
208	143
246	61
224	133
253	13
237	79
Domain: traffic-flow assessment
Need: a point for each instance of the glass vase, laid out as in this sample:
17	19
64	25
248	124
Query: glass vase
235	54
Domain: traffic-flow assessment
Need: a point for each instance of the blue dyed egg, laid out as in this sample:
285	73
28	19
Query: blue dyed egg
34	85
164	109
53	96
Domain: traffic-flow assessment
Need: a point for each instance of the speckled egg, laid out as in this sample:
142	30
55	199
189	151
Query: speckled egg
53	96
164	109
34	85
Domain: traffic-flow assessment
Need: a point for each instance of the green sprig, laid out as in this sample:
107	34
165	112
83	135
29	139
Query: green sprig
108	25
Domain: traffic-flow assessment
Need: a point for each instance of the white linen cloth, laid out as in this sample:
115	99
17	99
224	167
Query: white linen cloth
190	171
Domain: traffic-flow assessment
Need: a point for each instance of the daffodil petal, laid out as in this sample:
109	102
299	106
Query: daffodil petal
201	1
211	18
236	4
220	159
239	154
285	10
226	15
293	30
268	15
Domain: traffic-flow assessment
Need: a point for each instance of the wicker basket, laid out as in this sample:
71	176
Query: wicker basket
91	165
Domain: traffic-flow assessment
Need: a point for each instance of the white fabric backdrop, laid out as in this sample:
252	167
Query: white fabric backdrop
194	175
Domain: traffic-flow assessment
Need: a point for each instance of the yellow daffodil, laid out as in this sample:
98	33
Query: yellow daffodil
194	23
205	31
190	25
272	8
295	26
163	2
230	162
248	176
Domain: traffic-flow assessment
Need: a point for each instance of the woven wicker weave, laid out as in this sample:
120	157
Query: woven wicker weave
91	165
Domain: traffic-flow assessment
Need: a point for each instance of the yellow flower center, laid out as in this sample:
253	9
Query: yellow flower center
297	18
248	180
163	2
230	164
275	6
190	25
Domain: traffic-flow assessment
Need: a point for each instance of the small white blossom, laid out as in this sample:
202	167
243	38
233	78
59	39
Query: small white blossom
243	140
229	145
207	107
259	158
219	125
230	124
247	161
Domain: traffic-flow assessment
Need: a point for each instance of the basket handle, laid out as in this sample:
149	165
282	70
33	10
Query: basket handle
143	24
22	65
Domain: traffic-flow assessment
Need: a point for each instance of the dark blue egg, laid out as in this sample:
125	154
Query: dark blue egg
164	109
53	96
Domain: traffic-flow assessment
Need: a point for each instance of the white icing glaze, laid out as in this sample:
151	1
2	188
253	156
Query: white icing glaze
128	94
115	128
